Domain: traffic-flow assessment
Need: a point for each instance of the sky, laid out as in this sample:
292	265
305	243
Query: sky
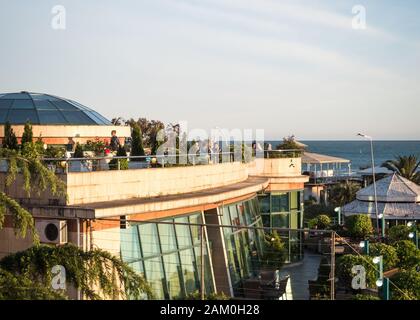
290	67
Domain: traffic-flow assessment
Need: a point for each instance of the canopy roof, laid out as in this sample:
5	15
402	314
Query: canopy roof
316	158
45	109
390	211
378	170
393	188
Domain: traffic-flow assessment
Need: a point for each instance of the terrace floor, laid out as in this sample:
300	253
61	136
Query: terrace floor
297	288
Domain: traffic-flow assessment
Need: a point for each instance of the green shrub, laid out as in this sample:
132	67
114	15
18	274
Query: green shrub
321	222
409	283
274	251
359	226
136	143
399	232
27	135
408	254
10	140
113	164
365	297
389	254
347	262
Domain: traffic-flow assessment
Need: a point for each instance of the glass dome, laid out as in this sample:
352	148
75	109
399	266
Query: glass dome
44	109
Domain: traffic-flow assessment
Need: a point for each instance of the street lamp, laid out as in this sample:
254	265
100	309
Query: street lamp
374	186
338	210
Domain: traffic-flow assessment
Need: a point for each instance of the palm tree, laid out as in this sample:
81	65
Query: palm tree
343	193
405	166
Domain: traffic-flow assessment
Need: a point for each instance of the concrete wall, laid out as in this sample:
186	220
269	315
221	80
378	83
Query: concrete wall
88	187
281	167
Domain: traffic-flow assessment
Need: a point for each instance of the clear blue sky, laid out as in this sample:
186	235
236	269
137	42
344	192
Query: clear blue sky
290	67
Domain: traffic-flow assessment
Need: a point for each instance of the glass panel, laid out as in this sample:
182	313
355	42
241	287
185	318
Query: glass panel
241	213
208	281
173	270
195	230
77	117
44	105
266	220
189	271
64	105
51	117
280	202
234	218
149	239
183	233
167	237
130	245
3	115
16	96
264	203
155	276
23	104
226	220
280	220
17	116
138	267
5	103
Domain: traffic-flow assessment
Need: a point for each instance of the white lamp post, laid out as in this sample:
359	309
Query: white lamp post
374	186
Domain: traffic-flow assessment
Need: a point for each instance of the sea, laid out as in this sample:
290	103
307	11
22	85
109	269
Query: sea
358	152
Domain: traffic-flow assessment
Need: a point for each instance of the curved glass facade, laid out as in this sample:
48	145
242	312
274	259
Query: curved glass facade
168	255
284	210
44	109
243	246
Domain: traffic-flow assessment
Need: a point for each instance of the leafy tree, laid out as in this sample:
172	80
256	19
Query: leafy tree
27	134
398	232
408	254
36	179
136	143
149	130
123	163
344	269
21	287
321	222
343	193
10	140
389	254
84	270
117	121
359	226
405	166
274	251
408	284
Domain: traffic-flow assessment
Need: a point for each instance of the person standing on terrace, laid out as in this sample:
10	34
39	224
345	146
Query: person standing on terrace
115	142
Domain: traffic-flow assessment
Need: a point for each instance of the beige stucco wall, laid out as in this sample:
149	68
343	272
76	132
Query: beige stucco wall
88	187
281	167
